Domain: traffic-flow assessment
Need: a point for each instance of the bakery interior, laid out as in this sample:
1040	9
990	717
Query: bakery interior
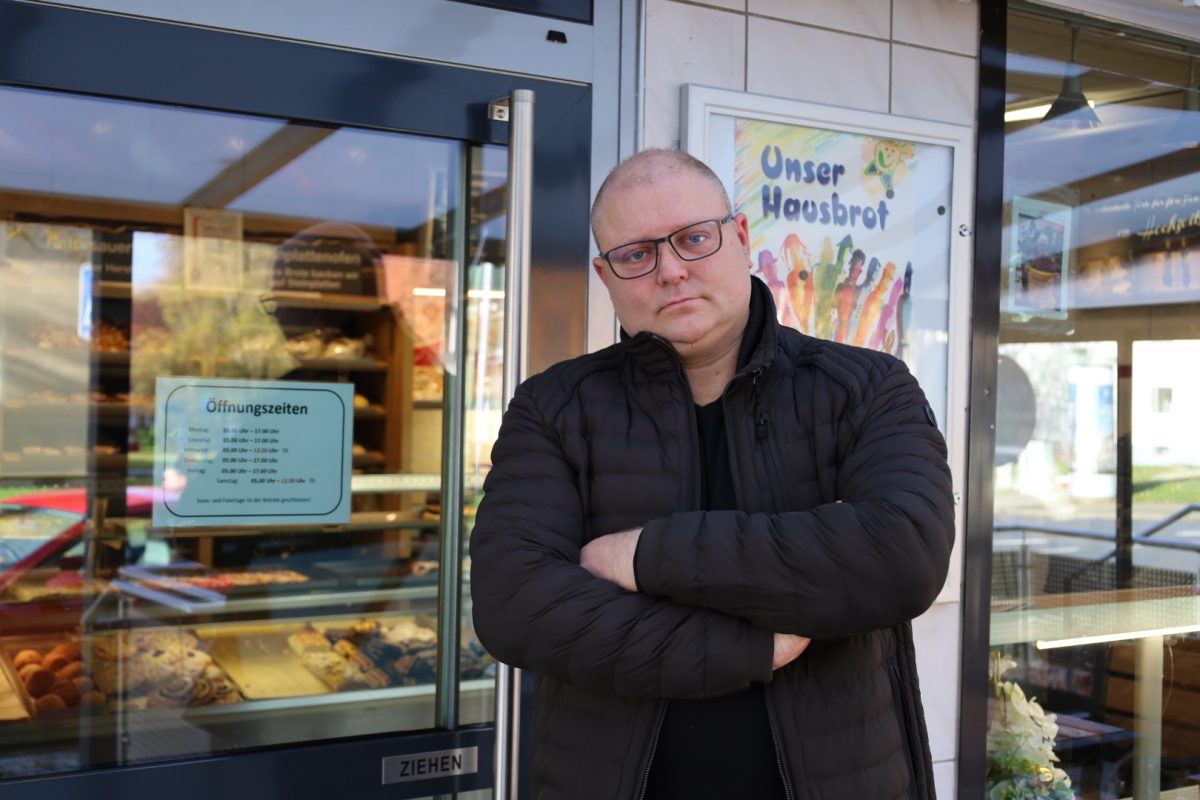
1096	440
139	242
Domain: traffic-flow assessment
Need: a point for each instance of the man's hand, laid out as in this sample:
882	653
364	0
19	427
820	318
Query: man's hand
788	647
611	557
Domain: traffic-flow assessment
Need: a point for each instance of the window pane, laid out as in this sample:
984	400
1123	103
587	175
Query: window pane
141	243
1096	552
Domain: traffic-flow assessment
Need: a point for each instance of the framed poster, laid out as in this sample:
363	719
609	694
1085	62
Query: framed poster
1039	266
212	249
860	224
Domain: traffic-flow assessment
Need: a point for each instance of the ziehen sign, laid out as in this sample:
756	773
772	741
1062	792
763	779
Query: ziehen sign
425	766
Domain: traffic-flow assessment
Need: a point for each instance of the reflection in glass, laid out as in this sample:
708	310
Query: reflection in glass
1096	549
142	242
483	390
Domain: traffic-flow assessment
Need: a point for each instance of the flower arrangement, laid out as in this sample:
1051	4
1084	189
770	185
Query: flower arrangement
1020	744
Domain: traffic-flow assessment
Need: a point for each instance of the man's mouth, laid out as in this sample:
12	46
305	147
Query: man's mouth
678	302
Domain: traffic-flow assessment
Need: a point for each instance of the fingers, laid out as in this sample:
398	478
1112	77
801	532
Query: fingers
788	647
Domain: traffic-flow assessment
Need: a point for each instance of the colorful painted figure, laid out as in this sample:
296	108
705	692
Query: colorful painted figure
887	159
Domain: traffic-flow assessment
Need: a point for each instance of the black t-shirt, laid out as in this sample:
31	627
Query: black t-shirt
719	747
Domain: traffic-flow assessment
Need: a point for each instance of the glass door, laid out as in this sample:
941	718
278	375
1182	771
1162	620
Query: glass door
252	370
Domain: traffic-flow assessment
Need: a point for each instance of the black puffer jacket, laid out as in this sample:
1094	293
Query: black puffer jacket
843	534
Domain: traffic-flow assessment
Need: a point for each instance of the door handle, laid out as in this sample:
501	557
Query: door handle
516	365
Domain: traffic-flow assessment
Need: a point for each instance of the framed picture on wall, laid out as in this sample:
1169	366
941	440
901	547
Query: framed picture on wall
857	220
860	224
1039	268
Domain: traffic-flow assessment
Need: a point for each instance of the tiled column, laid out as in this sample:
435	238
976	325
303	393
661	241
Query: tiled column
914	58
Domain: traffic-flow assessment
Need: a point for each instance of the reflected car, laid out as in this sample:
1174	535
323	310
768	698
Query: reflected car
43	529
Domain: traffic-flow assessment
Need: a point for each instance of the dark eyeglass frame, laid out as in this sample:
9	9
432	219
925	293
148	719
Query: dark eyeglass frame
657	242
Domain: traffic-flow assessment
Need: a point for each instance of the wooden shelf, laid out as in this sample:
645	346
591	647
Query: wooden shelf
104	409
113	290
333	302
37	355
280	299
118	357
342	364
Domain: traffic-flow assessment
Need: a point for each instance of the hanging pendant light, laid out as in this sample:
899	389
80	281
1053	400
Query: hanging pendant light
1071	109
1185	130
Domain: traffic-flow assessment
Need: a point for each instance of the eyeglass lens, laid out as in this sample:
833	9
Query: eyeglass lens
690	244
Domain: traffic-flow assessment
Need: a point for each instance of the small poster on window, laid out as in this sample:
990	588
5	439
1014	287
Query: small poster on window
244	452
1040	261
212	249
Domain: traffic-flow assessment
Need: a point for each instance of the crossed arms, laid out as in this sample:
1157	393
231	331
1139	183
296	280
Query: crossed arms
716	587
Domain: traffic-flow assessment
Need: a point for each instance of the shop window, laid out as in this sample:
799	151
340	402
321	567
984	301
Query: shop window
1095	565
147	250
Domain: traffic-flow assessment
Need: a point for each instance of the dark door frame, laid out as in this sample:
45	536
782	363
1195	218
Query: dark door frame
981	410
104	55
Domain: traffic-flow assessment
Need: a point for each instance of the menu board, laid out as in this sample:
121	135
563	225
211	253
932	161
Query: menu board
243	452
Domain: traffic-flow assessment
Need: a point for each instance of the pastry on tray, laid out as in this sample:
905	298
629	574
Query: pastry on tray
405	651
226	581
56	677
159	669
338	663
308	641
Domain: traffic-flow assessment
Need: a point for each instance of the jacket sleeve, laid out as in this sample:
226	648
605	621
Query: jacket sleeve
534	607
876	557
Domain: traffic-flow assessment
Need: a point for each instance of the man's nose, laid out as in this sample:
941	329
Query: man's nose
671	268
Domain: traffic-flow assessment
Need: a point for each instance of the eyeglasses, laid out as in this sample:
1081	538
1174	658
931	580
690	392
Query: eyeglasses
691	243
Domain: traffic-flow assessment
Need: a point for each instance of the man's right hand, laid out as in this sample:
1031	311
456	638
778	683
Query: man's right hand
788	647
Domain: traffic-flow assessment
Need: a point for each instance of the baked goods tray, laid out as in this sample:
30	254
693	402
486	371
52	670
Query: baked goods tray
380	574
68	676
202	582
275	660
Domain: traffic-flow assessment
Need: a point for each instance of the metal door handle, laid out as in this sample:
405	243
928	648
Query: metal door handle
516	365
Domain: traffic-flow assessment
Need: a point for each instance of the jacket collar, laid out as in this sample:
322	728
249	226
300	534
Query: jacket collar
657	358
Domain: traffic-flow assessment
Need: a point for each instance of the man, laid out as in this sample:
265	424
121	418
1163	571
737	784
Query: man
706	541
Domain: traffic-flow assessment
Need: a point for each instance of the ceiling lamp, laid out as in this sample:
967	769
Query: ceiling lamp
1185	130
1071	110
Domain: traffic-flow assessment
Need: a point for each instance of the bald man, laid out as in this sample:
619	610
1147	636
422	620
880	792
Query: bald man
707	540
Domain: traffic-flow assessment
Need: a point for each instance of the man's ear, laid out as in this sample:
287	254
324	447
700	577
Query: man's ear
601	267
743	232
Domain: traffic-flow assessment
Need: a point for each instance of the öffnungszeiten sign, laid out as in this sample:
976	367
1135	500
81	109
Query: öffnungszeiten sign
242	452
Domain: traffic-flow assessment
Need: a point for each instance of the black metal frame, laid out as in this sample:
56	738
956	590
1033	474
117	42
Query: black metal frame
981	446
573	10
95	54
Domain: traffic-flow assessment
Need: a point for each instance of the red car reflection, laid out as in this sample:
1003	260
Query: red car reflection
37	528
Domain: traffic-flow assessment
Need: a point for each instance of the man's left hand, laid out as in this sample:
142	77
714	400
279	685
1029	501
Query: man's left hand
611	557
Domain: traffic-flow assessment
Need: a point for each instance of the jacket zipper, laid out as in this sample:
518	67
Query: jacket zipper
783	776
761	438
906	732
658	723
760	432
695	500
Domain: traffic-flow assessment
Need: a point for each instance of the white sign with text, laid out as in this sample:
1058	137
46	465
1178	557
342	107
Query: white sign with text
243	452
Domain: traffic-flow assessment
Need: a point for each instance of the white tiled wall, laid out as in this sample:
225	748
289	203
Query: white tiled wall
933	85
688	44
913	58
817	65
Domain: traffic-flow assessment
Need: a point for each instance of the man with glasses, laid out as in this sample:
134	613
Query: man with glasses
707	540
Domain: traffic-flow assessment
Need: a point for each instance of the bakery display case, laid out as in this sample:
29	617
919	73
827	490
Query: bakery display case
358	254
